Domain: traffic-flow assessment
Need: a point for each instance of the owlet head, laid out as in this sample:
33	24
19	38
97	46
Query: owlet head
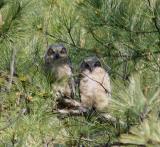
90	63
55	52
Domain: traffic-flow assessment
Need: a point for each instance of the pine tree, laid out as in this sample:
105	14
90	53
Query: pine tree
124	34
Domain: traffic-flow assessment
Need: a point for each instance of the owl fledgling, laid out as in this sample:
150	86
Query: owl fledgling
58	64
95	87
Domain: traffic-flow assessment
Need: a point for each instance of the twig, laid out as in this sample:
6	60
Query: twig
101	84
69	29
70	35
149	3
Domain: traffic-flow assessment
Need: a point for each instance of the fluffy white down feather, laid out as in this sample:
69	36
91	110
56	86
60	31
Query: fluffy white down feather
95	88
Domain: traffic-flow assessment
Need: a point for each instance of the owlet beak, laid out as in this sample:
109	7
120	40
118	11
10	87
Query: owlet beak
56	56
90	67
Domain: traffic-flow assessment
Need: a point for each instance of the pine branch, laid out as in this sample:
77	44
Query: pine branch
23	111
124	28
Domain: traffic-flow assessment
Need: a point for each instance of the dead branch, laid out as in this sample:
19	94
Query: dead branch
1	20
118	144
72	107
12	68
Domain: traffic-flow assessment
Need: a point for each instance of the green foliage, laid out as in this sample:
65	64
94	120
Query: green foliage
146	133
124	34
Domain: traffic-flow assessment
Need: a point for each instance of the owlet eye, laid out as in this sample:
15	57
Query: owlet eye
97	64
63	51
86	66
50	52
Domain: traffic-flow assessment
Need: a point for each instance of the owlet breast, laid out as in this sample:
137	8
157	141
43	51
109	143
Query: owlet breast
95	87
